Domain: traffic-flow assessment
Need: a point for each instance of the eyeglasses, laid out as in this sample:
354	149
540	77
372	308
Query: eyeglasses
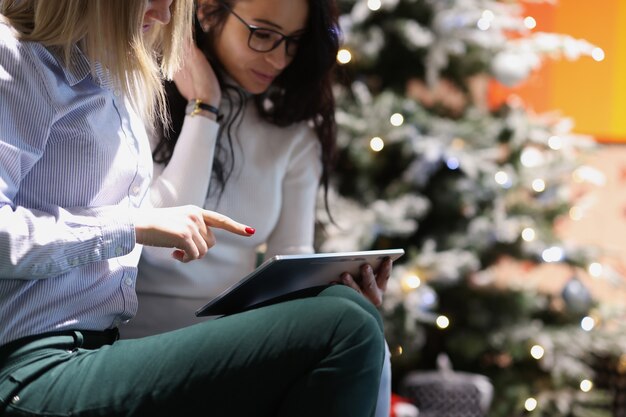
266	40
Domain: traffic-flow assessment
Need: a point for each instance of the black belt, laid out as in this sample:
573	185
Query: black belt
86	339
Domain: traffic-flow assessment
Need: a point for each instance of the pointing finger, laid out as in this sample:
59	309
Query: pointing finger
213	219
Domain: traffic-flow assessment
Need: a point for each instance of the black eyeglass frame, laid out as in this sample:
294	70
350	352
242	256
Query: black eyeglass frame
289	40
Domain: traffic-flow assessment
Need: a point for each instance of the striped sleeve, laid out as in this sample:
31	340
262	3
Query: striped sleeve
37	244
26	116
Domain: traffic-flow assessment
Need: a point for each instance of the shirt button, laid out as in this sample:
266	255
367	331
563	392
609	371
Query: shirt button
74	262
117	93
128	282
136	189
119	250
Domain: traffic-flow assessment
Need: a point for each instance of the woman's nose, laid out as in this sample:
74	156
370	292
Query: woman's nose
278	57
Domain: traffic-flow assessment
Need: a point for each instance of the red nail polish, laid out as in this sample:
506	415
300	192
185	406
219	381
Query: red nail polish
250	230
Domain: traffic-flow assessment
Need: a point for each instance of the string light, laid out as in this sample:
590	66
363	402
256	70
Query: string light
377	144
555	142
530	22
374	5
488	14
484	23
453	163
586	385
531	157
587	174
528	234
530	404
587	323
539	185
396	119
502	178
344	56
537	352
598	54
595	269
552	254
410	282
442	322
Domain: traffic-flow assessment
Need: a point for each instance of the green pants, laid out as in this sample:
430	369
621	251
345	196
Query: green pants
319	356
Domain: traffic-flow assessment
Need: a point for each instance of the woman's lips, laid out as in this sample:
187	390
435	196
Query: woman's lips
264	77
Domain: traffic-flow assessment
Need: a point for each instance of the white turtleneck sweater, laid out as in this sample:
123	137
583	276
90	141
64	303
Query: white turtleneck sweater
272	188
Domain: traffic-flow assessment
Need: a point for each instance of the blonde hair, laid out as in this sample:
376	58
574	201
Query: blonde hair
110	34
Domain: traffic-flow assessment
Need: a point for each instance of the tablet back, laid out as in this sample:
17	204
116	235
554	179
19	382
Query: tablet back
291	276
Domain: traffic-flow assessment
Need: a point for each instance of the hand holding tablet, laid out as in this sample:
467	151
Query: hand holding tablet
288	274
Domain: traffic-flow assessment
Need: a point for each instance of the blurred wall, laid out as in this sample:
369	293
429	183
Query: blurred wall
592	93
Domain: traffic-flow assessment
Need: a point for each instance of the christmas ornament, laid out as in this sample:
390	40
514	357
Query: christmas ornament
610	375
402	407
511	68
576	296
448	393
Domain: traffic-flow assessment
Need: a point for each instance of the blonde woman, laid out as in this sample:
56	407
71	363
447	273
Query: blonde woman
79	81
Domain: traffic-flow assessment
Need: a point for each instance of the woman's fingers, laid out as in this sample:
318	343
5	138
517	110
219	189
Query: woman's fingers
179	255
383	274
186	229
213	219
199	243
346	279
196	78
369	285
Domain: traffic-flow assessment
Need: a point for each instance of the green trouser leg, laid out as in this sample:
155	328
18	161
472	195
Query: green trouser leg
319	356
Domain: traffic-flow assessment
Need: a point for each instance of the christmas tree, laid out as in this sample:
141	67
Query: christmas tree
429	164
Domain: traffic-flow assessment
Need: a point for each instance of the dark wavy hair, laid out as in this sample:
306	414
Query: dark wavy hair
302	92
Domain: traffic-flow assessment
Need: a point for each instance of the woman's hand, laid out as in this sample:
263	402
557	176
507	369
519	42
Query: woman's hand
196	78
371	285
186	228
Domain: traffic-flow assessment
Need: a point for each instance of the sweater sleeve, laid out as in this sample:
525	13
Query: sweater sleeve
294	231
185	179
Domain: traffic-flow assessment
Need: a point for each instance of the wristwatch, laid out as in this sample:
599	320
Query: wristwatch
196	106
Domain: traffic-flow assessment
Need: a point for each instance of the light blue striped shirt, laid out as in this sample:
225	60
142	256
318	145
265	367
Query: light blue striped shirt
74	161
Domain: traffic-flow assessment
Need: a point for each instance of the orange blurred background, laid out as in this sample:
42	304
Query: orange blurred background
592	93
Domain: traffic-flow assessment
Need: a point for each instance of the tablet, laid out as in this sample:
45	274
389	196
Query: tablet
289	276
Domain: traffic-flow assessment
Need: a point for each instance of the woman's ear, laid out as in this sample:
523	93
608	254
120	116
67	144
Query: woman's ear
204	10
201	34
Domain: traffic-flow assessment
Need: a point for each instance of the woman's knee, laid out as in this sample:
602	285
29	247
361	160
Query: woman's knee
348	293
356	329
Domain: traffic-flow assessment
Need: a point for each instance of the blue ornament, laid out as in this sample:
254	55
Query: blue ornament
576	296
